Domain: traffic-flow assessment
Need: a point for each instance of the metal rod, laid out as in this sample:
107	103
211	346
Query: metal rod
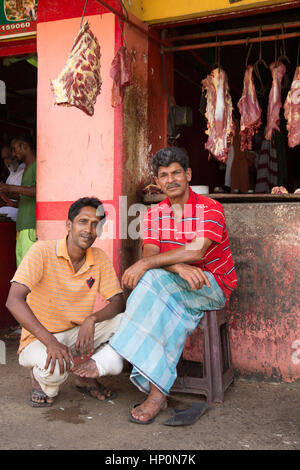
232	32
232	42
131	23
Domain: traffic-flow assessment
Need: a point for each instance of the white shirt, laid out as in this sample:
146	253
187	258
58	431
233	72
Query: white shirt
14	178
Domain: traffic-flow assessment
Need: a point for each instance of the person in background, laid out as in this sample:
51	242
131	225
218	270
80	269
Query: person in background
23	149
16	171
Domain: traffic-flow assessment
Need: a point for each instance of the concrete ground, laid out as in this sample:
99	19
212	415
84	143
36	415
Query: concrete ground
254	416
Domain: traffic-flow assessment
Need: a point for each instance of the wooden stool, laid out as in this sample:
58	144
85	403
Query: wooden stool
215	375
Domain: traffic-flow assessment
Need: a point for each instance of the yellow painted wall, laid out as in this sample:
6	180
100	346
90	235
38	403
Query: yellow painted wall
158	11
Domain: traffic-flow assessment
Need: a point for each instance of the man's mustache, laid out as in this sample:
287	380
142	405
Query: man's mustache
173	185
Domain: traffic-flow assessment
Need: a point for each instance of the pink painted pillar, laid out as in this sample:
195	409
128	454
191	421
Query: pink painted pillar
75	152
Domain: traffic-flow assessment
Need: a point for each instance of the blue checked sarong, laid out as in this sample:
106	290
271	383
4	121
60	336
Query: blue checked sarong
161	312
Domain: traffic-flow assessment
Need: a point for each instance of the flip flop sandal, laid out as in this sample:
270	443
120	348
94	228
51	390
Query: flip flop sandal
98	388
40	395
137	421
188	416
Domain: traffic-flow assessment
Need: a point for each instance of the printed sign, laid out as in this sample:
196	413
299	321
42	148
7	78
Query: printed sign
17	18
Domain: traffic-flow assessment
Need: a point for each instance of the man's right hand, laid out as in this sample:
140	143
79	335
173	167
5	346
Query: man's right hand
192	274
57	351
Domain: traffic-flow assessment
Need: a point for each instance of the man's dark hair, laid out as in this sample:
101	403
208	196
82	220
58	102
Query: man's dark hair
76	207
24	136
169	155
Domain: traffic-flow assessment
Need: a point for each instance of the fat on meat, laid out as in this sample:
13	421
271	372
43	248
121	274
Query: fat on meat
274	105
79	83
220	126
250	111
292	111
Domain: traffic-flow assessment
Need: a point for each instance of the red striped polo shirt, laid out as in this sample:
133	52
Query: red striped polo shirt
202	217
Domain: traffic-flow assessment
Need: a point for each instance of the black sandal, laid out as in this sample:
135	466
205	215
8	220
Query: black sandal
41	396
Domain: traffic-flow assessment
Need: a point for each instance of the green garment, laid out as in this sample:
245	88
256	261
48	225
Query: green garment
27	214
25	239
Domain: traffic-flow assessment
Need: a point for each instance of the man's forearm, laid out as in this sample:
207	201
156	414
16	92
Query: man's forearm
24	315
29	191
116	305
173	257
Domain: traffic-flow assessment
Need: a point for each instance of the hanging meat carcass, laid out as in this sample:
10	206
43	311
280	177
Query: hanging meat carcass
79	83
274	105
120	72
220	126
292	111
250	111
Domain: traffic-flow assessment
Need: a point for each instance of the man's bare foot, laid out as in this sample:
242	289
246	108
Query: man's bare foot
38	396
87	369
149	409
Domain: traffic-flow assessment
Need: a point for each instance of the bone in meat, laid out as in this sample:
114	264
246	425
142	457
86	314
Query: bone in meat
292	111
220	127
250	111
79	83
274	105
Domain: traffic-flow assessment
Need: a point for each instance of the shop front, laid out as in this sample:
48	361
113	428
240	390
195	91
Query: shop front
174	47
184	47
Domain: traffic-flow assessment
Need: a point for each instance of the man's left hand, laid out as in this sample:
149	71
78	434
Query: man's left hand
85	339
4	188
133	274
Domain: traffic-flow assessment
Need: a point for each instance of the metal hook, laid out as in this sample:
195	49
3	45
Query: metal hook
83	13
249	51
283	55
217	63
262	89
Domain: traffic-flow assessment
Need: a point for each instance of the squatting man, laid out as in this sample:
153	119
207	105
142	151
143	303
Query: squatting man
52	296
186	269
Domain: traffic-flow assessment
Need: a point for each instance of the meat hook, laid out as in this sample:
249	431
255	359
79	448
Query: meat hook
262	89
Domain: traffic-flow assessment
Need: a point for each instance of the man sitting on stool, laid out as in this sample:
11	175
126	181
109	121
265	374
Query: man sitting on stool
186	269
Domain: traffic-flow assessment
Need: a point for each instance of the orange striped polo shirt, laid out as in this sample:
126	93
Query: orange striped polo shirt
60	298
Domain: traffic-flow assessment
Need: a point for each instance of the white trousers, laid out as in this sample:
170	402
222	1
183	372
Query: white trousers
109	362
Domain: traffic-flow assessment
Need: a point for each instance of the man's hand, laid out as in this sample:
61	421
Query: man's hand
192	274
85	339
4	188
133	274
57	351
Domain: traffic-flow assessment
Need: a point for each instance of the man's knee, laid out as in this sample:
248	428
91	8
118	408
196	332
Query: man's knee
108	361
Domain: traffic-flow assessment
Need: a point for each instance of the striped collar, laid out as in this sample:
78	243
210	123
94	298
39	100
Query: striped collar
191	202
62	251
